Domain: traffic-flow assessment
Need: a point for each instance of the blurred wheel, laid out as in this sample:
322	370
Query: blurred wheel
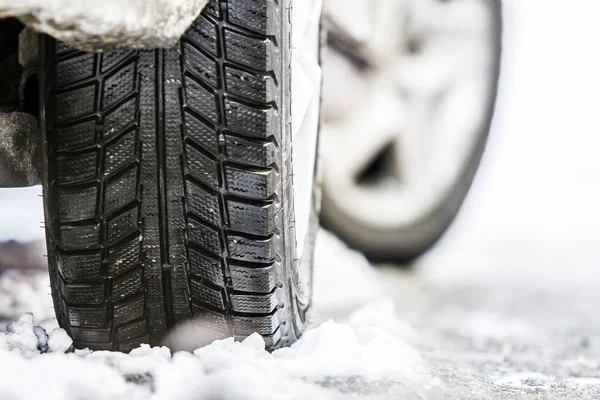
408	98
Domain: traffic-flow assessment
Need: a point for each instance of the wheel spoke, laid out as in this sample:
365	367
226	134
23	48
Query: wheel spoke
411	146
387	35
439	63
370	128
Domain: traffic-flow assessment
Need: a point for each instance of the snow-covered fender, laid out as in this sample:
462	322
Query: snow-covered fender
96	25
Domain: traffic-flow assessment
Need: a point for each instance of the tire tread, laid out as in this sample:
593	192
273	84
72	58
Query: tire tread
133	251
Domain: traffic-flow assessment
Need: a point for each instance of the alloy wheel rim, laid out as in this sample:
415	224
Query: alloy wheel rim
403	117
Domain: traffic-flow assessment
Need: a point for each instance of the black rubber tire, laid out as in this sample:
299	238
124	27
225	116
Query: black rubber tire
402	245
168	189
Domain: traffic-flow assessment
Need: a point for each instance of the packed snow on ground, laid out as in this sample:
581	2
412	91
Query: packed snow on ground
368	352
330	361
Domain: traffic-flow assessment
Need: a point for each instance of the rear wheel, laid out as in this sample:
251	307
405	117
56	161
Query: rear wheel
169	189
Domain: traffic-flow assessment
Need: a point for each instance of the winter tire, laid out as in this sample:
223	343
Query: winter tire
169	192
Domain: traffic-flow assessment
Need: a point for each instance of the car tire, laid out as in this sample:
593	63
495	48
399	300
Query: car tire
168	188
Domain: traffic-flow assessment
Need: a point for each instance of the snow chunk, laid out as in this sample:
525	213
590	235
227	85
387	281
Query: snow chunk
20	337
109	23
59	341
42	337
23	337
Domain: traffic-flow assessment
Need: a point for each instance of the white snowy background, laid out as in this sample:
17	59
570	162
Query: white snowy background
503	307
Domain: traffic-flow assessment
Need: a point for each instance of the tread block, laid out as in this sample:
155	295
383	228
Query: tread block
249	51
80	237
76	136
203	294
272	340
244	249
258	185
112	58
266	325
119	84
254	304
201	66
120	191
120	153
88	317
78	268
127	285
249	218
122	225
124	258
77	168
128	311
204	34
250	120
205	268
203	204
200	133
201	167
62	47
212	8
98	346
96	335
119	119
256	280
252	15
84	293
131	331
260	154
198	98
77	204
209	320
204	236
250	86
75	103
75	69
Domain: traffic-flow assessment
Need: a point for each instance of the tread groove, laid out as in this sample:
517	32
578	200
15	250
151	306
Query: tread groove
162	186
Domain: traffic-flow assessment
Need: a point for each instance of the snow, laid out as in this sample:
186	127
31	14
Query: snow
361	283
368	352
486	328
24	337
132	23
59	341
333	360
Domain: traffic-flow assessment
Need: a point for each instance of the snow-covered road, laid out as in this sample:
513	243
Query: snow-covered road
504	307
